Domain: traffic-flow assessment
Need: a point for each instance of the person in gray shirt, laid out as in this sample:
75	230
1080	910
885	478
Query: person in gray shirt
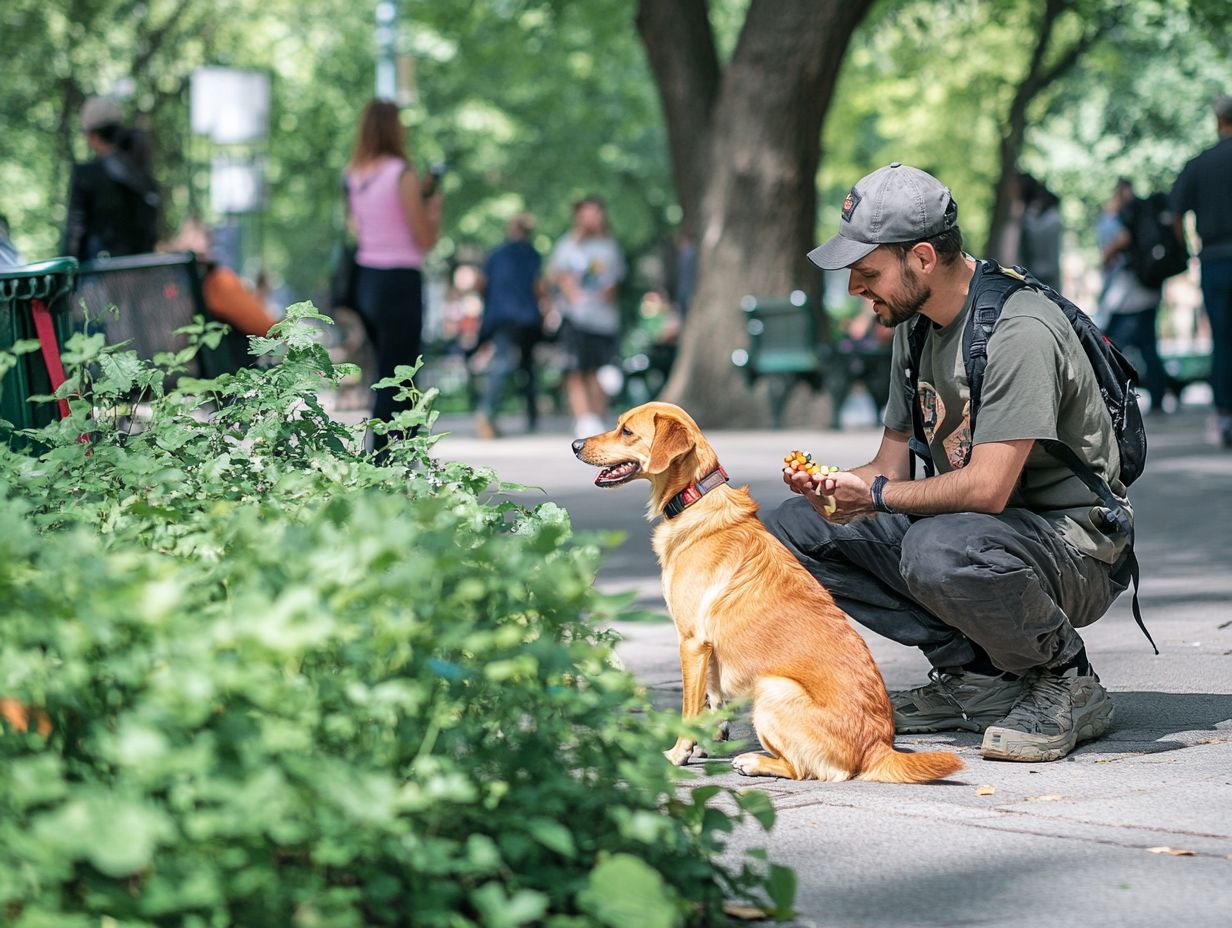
1204	187
992	565
584	271
1041	229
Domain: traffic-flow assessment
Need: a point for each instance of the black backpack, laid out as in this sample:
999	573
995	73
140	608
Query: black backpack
1155	252
1115	375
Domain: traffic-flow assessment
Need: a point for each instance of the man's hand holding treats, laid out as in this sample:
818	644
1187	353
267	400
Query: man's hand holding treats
837	495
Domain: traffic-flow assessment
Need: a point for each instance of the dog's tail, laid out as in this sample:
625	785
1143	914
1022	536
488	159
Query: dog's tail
886	765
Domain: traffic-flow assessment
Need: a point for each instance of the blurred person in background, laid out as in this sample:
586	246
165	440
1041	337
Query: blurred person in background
1205	187
585	270
397	219
227	297
512	292
1128	309
1040	229
113	202
9	255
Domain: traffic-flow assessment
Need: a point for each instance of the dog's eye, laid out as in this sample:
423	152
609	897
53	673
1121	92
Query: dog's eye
625	433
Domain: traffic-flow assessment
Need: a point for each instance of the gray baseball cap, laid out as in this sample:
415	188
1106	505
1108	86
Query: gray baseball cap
897	203
100	112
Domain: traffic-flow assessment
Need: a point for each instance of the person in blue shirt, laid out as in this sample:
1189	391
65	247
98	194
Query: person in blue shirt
512	290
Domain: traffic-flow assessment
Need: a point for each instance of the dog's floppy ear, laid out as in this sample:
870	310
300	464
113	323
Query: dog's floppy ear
671	440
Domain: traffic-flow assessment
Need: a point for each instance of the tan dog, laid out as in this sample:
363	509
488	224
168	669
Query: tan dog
751	619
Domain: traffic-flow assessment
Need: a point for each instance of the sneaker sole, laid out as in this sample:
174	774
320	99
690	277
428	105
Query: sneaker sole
1006	744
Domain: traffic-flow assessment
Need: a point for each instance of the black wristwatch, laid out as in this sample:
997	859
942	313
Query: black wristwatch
878	488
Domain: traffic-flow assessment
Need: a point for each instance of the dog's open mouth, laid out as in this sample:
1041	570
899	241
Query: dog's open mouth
617	474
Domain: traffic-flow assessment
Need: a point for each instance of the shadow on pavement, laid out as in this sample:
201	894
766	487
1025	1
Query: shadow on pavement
1156	722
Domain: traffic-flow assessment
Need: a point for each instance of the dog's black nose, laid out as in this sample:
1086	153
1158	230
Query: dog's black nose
578	445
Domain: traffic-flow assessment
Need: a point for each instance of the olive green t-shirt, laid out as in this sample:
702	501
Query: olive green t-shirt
1039	385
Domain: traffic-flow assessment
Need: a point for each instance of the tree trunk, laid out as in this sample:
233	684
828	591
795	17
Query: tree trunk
758	211
680	47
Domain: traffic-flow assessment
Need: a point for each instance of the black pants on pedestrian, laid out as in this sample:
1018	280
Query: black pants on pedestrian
1006	585
513	349
1134	334
1217	300
390	303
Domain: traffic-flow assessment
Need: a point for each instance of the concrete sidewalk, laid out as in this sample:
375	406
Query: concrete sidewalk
1075	842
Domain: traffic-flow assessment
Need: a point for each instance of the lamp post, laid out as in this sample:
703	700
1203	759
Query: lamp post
386	49
230	111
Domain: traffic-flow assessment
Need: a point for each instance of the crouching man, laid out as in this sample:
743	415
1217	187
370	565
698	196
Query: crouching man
991	564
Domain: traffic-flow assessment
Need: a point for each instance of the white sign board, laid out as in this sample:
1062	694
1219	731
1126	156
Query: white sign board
230	106
236	186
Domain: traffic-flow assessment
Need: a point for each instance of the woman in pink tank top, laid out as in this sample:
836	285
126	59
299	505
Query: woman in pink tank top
397	219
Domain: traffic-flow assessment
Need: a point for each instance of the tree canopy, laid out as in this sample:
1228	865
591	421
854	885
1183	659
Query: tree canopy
532	104
535	102
930	82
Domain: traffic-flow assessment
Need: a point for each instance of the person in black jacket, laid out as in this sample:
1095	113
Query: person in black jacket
113	203
1205	187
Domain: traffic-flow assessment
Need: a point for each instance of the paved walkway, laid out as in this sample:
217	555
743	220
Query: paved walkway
1074	842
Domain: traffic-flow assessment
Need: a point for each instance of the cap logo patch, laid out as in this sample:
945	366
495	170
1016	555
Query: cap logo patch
850	204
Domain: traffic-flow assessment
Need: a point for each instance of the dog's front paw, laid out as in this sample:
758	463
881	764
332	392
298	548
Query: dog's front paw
753	764
679	755
743	764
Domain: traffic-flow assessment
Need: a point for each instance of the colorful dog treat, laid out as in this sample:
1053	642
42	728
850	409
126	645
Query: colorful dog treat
803	461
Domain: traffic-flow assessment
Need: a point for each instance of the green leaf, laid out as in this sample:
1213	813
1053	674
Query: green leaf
626	892
117	836
35	780
552	835
173	437
782	889
119	371
757	803
499	910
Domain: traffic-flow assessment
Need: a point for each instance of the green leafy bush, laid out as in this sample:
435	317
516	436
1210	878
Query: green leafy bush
288	686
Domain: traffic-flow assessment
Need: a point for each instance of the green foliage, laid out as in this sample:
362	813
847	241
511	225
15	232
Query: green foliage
929	82
532	103
290	686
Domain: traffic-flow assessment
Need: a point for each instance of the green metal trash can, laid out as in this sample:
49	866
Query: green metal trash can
49	283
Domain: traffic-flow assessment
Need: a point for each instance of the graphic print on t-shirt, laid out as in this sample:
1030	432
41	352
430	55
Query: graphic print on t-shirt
957	440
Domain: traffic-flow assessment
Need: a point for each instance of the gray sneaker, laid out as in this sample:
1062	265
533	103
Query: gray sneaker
955	701
1059	711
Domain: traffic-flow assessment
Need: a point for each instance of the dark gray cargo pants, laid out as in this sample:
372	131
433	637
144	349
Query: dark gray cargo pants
1007	582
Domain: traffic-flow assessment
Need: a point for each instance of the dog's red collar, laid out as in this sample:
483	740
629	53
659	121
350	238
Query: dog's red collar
694	491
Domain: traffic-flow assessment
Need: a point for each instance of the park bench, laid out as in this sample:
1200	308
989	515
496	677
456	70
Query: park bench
143	300
25	292
784	349
1185	367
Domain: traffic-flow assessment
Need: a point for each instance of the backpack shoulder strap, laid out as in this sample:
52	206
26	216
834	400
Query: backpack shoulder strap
994	287
918	443
1127	568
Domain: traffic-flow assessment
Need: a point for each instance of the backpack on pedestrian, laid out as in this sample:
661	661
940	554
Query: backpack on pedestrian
1114	374
1155	251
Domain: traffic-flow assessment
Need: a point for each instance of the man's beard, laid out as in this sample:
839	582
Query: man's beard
909	305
